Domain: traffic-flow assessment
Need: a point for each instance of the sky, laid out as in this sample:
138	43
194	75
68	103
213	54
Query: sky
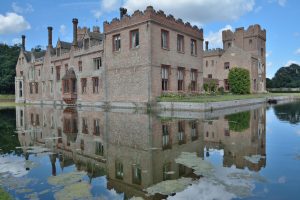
280	18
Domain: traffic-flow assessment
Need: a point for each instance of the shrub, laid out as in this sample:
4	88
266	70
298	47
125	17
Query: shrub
206	87
212	86
239	81
239	122
221	90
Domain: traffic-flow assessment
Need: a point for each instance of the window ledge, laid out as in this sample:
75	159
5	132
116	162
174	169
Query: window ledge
167	49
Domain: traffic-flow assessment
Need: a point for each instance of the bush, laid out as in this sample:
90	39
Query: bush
205	87
239	122
239	81
221	90
212	86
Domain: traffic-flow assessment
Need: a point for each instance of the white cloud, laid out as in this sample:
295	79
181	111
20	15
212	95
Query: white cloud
16	41
215	38
291	62
279	2
13	166
13	23
269	64
106	6
63	30
22	9
268	54
297	51
200	11
298	133
282	180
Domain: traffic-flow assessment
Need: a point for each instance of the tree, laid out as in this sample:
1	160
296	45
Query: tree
239	122
269	83
287	77
8	60
239	81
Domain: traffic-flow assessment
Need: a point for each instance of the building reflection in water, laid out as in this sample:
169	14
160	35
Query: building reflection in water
137	150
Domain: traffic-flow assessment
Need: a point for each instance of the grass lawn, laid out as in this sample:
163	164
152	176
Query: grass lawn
4	195
218	98
7	96
9	104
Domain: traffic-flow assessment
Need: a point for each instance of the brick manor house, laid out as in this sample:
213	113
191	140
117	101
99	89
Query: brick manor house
136	59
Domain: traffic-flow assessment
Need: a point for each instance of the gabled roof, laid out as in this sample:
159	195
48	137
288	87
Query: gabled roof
65	45
38	55
95	35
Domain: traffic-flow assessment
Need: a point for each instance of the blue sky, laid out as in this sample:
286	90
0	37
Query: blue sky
279	17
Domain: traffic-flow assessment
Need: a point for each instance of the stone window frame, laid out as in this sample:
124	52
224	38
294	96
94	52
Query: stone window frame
165	42
226	65
58	73
165	77
97	63
209	76
180	43
116	42
193	47
80	66
194	77
136	44
95	85
83	85
96	131
180	78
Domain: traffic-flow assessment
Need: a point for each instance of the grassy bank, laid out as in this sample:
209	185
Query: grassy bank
218	98
7	96
4	195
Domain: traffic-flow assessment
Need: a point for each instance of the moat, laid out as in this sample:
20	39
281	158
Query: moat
59	152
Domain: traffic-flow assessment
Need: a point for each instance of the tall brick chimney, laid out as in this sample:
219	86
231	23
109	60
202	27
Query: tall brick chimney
50	36
23	42
75	23
206	45
123	11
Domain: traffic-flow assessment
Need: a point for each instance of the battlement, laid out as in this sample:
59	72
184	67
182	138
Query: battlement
253	30
213	52
151	15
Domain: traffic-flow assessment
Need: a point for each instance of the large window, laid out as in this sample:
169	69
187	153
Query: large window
165	77
66	86
226	65
51	86
226	84
31	88
83	85
181	134
99	148
57	73
95	85
136	174
119	170
117	42
85	126
97	63
97	127
80	66
166	143
180	77
165	39
134	39
193	47
193	79
180	43
36	87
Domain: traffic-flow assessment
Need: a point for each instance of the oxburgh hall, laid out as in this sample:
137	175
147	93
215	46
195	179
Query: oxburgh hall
134	60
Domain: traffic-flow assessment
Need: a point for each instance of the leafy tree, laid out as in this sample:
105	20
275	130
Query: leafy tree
287	77
239	122
8	60
239	81
269	83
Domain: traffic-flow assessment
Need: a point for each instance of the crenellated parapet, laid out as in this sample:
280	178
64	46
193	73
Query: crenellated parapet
155	16
213	52
252	31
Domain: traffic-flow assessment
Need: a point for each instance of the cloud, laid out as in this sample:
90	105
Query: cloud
13	23
106	6
281	180
279	2
22	9
16	41
269	64
291	62
199	11
257	9
297	51
298	133
215	38
268	54
63	30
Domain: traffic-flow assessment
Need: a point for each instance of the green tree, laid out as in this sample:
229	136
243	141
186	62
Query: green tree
8	60
239	122
287	77
239	81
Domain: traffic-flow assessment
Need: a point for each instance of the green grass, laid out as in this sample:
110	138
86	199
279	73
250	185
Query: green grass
7	96
218	98
9	104
4	195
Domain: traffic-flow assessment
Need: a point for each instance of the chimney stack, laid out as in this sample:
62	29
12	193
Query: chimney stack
206	45
123	11
23	42
75	23
50	36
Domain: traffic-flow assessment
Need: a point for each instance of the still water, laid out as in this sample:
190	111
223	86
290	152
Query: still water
87	153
